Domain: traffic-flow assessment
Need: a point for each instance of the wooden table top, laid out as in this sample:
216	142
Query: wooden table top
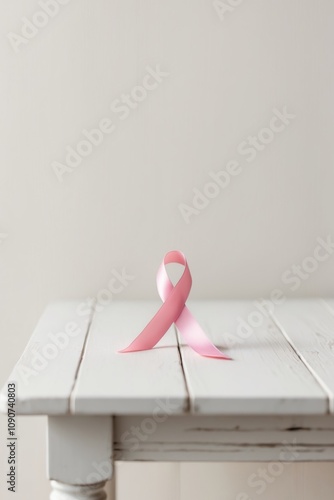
283	361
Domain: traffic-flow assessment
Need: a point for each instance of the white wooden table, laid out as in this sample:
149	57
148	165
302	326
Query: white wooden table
273	402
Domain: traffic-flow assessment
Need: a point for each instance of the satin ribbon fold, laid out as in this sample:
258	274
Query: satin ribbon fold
174	310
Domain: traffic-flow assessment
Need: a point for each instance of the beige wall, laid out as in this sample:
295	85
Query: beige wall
228	77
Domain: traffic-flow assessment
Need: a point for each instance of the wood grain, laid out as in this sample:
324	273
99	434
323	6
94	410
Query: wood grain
226	438
309	327
46	371
265	376
113	383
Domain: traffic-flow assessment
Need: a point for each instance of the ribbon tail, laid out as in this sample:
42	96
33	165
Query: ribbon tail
195	336
153	331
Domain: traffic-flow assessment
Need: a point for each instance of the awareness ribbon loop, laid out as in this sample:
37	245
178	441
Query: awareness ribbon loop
174	310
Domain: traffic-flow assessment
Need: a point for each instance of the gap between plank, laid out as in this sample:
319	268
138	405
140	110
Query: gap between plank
322	384
189	406
83	350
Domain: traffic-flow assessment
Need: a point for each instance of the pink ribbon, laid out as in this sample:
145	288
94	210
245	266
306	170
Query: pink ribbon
174	310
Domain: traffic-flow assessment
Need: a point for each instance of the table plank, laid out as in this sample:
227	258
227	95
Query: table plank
139	383
46	371
264	377
309	327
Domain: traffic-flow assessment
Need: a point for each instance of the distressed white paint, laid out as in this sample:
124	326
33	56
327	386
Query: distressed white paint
46	371
113	383
264	377
229	438
271	398
309	327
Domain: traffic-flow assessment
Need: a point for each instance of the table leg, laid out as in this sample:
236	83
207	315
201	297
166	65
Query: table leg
79	457
62	491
